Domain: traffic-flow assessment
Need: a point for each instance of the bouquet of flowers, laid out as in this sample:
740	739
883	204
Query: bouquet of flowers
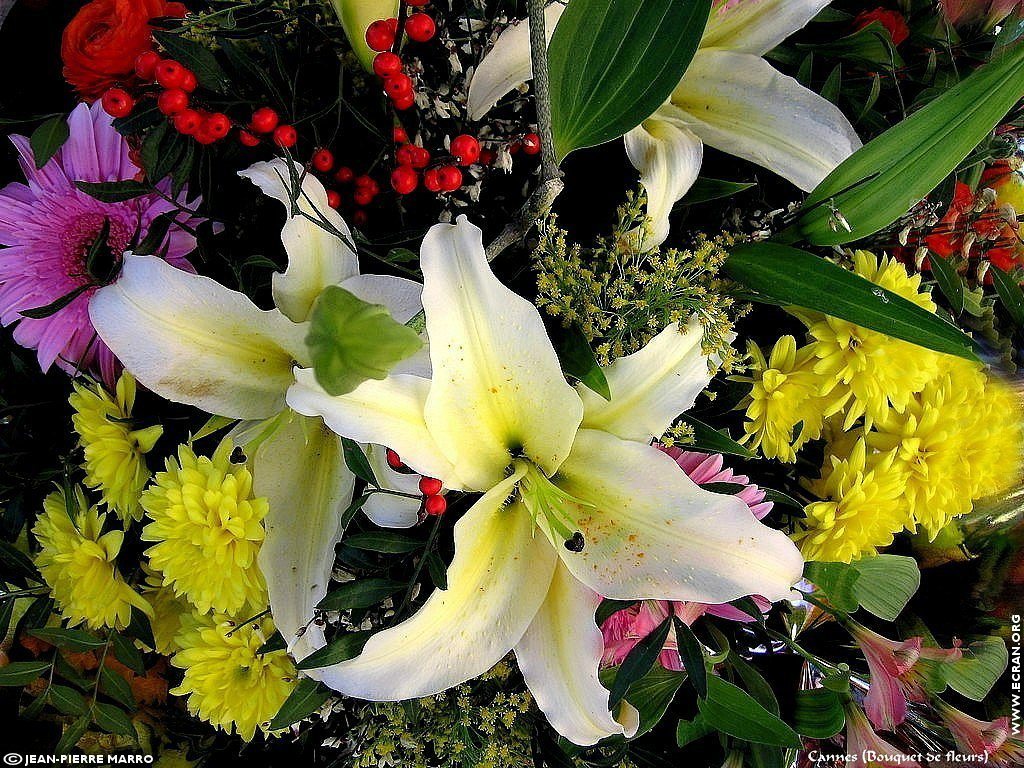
470	383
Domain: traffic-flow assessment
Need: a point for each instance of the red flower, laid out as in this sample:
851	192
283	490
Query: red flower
102	41
891	20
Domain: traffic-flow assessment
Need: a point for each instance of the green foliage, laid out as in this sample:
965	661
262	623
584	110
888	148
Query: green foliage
307	698
731	710
48	138
881	585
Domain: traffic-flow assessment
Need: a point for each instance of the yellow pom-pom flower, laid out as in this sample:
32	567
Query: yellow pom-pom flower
77	561
208	529
114	463
993	424
862	508
227	682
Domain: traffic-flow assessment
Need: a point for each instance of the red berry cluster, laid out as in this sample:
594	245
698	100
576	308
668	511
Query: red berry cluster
387	65
433	501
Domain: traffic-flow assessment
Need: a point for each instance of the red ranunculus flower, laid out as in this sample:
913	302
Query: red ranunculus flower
891	20
105	37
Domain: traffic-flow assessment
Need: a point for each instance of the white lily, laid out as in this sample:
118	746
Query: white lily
729	98
192	340
576	501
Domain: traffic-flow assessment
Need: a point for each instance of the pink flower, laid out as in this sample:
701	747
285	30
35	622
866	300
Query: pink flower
965	12
624	629
48	225
978	737
866	748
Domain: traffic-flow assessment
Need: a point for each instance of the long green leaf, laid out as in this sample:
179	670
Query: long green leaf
306	699
735	712
361	593
340	649
692	655
48	138
799	278
612	64
639	661
22	672
950	283
888	176
1010	294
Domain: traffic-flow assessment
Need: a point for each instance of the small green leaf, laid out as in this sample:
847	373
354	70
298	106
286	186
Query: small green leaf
977	672
950	283
127	653
116	687
22	672
72	639
652	694
14	561
273	643
401	256
688	731
735	712
705	190
819	713
340	649
48	138
885	584
361	593
356	461
613	64
307	698
837	581
143	117
71	735
196	57
608	607
438	570
113	720
692	654
707	438
639	661
801	279
38	313
578	361
1009	293
66	700
388	542
351	341
833	84
114	191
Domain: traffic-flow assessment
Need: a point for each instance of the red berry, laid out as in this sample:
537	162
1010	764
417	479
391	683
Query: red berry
344	175
398	85
450	178
217	125
416	3
169	73
333	198
175	10
190	83
145	64
465	149
172	101
323	160
264	120
203	136
435	505
531	144
399	135
359	218
362	197
412	155
514	147
386	64
430	486
394	460
420	27
188	121
285	136
248	139
380	36
367	184
117	102
487	156
404	179
404	102
392	25
432	180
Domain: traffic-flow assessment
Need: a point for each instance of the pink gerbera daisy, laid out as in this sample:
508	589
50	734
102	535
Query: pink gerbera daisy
48	226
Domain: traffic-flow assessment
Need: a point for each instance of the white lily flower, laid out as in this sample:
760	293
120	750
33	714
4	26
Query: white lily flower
729	98
192	340
576	501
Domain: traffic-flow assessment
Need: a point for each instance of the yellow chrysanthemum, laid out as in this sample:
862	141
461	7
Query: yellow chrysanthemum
227	682
77	562
208	528
168	612
862	510
993	424
866	371
784	393
114	463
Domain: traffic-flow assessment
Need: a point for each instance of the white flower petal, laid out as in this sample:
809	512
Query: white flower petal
301	470
387	412
738	103
496	582
757	26
653	534
508	64
192	340
651	387
497	387
402	297
384	509
316	258
559	657
668	157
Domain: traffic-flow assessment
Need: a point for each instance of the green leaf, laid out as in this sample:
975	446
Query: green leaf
273	643
688	731
70	737
127	653
401	256
143	117
38	313
608	607
950	283
705	190
799	278
652	694
977	672
837	581
388	542
113	720
578	361
116	687
834	82
356	461
885	584
884	179
707	438
72	639
140	628
1009	293
66	700
438	570
361	593
819	713
351	340
196	57
755	683
22	672
307	698
639	661
733	711
612	64
48	138
340	649
692	655
114	191
14	561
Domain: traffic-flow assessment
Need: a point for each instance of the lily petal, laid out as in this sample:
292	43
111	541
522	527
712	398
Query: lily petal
652	534
738	103
191	340
404	299
301	470
757	26
508	64
651	387
384	509
496	582
387	412
496	376
316	258
668	157
559	657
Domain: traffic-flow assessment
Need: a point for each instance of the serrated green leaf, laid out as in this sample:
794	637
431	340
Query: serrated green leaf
307	698
387	542
1009	293
578	361
885	584
72	639
340	649
48	138
819	713
22	672
949	282
639	661
361	593
735	712
612	64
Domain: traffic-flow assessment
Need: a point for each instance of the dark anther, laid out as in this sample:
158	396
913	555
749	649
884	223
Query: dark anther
238	455
575	544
